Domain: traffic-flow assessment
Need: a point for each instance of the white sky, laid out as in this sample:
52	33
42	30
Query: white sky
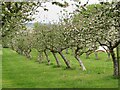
53	14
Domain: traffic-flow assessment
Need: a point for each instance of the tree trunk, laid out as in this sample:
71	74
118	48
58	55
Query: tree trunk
65	60
108	56
96	56
118	58
87	55
12	47
115	63
47	57
39	59
57	61
28	54
80	62
67	51
72	49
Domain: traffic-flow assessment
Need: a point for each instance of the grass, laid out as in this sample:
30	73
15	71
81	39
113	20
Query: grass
20	72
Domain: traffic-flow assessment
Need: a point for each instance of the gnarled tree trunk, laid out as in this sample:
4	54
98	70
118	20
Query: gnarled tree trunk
57	61
65	60
118	58
96	55
80	62
47	57
39	59
67	51
108	55
87	55
115	63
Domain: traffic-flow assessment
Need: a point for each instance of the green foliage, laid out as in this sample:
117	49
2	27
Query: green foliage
100	22
106	24
14	16
97	24
40	31
49	37
60	4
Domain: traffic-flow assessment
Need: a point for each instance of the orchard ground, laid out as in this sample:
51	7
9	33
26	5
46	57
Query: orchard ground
20	72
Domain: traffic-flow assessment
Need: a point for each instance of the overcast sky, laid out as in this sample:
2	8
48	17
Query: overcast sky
53	14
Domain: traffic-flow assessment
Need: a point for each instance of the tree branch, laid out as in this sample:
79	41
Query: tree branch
101	43
116	44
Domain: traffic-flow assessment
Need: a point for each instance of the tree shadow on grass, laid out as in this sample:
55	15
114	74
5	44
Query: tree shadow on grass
63	67
66	68
55	66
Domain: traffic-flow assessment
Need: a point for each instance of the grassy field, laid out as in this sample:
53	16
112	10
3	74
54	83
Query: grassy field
20	72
